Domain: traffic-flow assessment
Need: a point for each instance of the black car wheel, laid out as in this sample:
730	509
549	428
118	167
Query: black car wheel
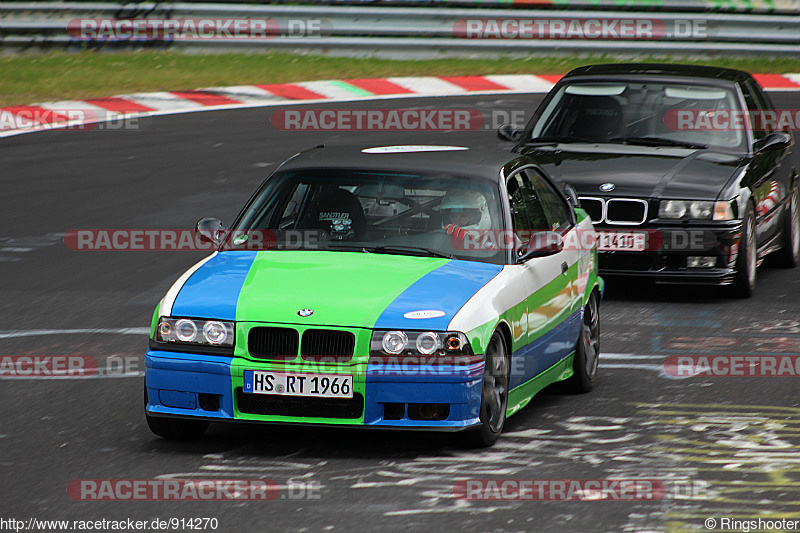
174	428
494	395
789	255
744	281
587	349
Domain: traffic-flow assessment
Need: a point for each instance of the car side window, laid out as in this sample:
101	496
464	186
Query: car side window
528	212
756	104
559	216
292	207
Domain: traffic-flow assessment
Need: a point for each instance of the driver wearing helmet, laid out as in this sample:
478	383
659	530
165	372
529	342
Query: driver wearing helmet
463	213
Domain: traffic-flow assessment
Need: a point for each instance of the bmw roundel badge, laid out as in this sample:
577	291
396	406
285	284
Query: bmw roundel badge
607	187
305	312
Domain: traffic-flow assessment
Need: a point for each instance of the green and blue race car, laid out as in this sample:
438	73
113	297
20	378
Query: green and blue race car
407	287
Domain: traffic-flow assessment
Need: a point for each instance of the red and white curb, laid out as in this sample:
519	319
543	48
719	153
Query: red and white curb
72	113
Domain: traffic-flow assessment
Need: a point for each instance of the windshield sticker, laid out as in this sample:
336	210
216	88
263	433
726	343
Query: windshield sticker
333	215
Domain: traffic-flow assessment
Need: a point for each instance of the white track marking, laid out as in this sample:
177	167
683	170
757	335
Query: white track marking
160	100
325	88
522	82
13	334
244	93
71	105
618	356
429	85
794	77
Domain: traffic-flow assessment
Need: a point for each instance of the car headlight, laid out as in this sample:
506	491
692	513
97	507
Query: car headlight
695	209
418	343
195	331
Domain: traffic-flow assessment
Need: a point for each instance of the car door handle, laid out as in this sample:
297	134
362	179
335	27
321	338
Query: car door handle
564	268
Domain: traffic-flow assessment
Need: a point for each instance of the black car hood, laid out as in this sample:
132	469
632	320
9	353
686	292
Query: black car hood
638	171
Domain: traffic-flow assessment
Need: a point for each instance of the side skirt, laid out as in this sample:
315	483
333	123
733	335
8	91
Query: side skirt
521	395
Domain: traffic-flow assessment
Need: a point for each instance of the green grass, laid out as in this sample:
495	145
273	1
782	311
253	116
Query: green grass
32	78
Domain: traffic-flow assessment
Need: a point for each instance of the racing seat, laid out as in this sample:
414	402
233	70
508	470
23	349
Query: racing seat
597	117
337	212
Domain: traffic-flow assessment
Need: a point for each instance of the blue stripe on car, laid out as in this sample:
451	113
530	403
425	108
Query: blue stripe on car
213	291
445	289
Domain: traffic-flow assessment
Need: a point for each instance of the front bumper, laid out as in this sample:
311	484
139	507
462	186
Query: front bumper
436	397
668	247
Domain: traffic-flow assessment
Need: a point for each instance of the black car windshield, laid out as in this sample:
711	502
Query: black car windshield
373	212
643	113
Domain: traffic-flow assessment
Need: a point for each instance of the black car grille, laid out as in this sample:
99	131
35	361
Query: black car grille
281	344
327	345
629	211
273	343
261	404
594	207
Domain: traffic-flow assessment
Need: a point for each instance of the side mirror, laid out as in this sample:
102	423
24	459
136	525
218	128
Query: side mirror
572	195
778	140
210	230
509	132
542	244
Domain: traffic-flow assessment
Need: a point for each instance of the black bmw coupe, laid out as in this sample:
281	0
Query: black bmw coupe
688	172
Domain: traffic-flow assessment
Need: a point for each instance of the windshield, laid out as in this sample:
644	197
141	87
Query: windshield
661	114
371	212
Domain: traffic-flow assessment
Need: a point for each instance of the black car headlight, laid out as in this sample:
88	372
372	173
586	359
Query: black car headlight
695	209
195	331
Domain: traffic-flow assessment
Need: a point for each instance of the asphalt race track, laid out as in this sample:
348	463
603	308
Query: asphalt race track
721	446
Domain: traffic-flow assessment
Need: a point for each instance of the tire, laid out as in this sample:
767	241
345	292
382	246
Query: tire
174	428
789	255
494	393
744	281
587	349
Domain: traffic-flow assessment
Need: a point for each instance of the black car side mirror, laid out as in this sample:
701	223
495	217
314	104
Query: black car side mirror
778	140
542	244
571	195
509	132
210	230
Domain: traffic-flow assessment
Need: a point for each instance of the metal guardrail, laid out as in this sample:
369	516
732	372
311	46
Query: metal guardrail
409	31
718	6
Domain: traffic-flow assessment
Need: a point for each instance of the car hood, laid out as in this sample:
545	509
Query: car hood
348	289
638	171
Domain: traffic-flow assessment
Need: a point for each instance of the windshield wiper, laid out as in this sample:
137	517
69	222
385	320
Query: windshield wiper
347	248
555	139
390	249
658	141
411	250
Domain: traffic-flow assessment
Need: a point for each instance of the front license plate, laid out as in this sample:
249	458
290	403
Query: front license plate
291	384
620	241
